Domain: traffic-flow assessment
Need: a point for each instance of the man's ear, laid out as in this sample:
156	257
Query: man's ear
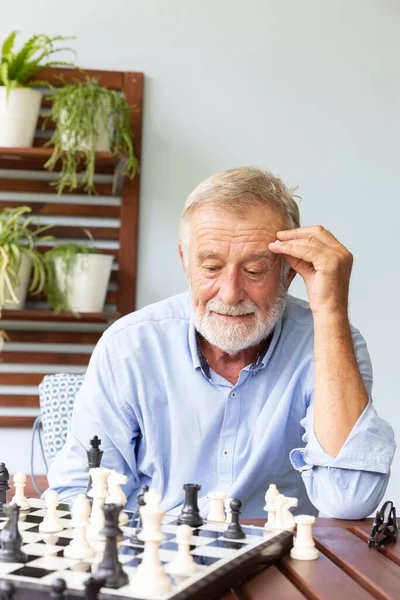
181	254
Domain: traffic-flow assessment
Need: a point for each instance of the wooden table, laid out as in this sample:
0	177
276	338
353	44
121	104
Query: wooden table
347	569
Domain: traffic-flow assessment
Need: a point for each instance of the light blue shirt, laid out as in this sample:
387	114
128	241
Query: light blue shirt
166	419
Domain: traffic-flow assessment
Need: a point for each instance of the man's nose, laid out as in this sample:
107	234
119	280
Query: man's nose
231	289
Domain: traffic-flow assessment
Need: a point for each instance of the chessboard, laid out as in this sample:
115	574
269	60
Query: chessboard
223	563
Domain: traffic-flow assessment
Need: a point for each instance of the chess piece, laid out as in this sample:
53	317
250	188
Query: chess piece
184	563
216	512
270	506
94	456
140	501
283	517
58	588
110	568
234	530
227	505
51	523
190	514
4	477
7	590
151	578
92	588
19	496
116	495
99	493
79	548
10	537
303	546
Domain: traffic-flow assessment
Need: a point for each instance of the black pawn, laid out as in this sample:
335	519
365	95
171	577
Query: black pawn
110	568
234	530
10	537
7	590
92	588
4	478
58	588
190	514
94	456
140	501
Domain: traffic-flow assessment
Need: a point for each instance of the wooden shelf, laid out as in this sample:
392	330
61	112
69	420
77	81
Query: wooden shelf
50	315
43	154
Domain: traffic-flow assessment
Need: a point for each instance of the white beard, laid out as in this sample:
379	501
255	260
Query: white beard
234	337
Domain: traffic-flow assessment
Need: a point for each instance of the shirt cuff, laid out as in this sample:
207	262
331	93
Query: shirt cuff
369	447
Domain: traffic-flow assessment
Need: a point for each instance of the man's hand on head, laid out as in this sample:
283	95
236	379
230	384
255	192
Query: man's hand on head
322	261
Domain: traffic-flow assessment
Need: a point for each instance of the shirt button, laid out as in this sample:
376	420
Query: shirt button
233	395
225	452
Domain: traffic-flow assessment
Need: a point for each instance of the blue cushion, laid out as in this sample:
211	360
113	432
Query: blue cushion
57	394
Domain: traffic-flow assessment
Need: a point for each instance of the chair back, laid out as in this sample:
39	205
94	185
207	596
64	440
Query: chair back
56	395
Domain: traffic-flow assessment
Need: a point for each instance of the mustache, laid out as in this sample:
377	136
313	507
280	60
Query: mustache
247	307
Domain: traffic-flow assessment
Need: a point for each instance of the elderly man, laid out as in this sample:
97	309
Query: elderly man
238	385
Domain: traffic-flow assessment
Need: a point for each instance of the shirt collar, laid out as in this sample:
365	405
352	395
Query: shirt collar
199	361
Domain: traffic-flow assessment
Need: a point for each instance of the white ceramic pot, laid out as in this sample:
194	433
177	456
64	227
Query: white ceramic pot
18	116
24	276
102	142
87	281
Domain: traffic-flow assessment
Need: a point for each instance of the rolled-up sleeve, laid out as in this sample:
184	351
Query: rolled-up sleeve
352	484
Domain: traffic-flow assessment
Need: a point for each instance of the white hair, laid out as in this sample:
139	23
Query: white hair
237	190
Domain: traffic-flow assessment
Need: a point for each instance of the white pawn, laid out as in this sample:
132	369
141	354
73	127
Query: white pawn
151	578
270	506
228	510
78	547
216	512
184	563
19	497
51	523
304	547
99	493
116	495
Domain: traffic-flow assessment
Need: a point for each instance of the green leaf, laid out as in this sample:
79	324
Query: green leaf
8	44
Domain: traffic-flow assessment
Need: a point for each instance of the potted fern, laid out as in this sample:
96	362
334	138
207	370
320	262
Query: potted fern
77	277
88	118
19	235
19	103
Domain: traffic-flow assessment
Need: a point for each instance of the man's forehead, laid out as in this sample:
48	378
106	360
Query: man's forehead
216	220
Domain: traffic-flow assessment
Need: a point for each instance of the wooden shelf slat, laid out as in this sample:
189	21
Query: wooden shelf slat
21	378
43	154
53	337
19	400
20	185
76	210
49	358
17	422
50	315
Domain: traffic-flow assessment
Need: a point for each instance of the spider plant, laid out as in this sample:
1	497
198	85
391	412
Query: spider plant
19	235
83	112
17	67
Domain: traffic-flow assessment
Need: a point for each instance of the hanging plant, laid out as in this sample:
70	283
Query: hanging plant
88	118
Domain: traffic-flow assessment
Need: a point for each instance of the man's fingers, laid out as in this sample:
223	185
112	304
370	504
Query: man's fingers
303	249
313	231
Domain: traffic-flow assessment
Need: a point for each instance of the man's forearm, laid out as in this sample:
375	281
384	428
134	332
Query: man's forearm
339	394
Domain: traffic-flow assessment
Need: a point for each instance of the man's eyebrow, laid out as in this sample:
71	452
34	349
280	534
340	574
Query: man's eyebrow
259	256
204	254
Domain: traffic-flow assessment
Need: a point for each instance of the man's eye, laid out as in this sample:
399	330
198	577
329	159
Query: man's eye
254	273
211	269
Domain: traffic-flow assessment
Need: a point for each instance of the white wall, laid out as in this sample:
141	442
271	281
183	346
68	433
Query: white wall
309	88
